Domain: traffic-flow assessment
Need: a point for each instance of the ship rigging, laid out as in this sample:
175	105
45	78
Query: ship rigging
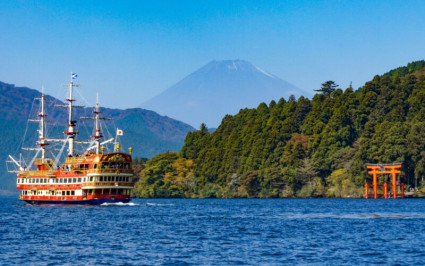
90	178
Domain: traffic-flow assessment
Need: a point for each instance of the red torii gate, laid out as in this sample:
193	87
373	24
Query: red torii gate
374	170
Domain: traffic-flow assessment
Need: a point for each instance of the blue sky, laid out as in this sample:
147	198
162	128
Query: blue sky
139	48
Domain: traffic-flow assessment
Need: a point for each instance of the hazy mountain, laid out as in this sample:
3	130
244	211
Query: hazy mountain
146	131
217	89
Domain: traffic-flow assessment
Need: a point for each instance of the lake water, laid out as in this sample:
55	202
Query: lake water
215	232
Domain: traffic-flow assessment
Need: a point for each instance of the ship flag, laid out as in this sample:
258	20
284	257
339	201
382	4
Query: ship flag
119	132
74	75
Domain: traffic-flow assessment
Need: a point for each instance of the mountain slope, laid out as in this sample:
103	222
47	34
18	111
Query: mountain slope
303	148
146	131
217	89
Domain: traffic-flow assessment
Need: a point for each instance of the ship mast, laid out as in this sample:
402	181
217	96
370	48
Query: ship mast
97	133
71	123
42	143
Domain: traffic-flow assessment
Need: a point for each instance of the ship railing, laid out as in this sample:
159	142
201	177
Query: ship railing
109	184
74	159
110	170
39	161
36	173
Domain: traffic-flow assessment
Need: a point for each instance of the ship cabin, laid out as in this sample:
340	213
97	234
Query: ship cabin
90	176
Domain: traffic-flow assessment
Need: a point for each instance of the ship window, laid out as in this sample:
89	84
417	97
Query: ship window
68	192
91	179
74	180
72	193
79	180
101	178
95	166
19	180
105	165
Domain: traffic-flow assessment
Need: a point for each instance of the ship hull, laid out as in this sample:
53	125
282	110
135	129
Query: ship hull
76	202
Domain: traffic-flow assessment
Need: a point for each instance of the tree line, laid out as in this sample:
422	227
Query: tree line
302	147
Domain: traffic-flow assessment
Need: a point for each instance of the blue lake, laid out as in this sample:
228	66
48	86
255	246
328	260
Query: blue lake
215	232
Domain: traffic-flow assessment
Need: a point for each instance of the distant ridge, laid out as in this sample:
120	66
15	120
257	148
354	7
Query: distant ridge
146	131
217	89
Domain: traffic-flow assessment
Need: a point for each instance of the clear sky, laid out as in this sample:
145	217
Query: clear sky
129	51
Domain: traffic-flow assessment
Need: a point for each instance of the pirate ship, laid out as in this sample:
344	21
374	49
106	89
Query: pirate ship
92	177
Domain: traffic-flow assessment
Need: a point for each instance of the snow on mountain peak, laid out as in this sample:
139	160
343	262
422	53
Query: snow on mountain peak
264	72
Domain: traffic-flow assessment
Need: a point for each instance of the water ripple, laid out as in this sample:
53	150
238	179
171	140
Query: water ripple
214	232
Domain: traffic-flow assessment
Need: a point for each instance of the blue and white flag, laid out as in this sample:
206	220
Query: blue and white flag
74	75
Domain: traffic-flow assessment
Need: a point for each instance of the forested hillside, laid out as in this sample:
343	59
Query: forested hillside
302	147
146	131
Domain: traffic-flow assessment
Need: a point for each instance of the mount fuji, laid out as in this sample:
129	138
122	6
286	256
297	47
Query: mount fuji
220	88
